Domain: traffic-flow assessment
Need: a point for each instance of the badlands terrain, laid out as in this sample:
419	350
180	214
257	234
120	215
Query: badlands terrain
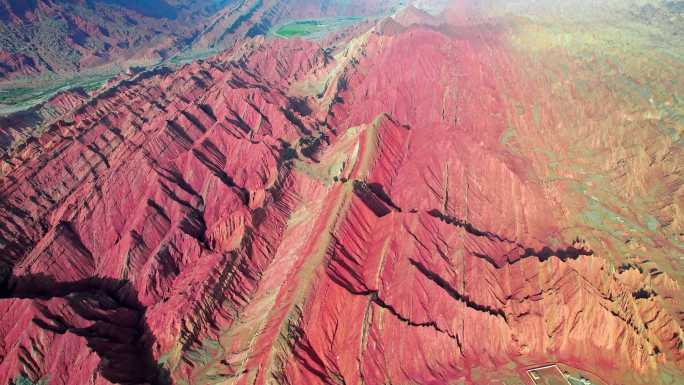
442	192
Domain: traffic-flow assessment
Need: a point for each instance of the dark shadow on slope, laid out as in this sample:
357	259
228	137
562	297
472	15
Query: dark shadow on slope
150	8
123	341
543	254
468	227
379	190
453	293
371	200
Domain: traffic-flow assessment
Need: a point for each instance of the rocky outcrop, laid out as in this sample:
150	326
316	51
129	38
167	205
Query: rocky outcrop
286	214
46	36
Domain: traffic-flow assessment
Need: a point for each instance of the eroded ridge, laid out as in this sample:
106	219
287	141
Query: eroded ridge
283	213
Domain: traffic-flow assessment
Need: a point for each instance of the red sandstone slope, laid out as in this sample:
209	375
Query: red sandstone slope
281	215
47	36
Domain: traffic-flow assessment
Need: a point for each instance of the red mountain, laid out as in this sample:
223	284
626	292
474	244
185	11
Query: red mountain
458	202
49	36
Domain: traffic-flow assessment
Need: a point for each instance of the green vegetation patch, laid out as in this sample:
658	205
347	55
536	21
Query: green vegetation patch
22	380
299	28
23	97
578	381
190	56
313	28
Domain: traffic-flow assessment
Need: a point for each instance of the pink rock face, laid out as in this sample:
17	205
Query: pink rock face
278	214
16	63
48	36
